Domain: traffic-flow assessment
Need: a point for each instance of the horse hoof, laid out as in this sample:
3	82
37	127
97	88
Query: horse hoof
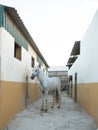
52	107
41	109
45	110
58	107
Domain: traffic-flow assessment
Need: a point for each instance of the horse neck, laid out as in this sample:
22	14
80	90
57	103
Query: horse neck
42	77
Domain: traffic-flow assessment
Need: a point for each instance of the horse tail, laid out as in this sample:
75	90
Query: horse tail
57	96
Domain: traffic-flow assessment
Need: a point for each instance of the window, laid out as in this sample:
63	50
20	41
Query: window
32	62
39	66
17	51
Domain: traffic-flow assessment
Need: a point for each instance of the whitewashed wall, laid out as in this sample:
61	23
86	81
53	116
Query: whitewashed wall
86	65
0	54
11	68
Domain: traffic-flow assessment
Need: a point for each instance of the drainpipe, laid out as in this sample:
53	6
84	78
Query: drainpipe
0	71
0	68
27	93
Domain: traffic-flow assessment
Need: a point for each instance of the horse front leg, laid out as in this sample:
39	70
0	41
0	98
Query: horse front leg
42	105
46	101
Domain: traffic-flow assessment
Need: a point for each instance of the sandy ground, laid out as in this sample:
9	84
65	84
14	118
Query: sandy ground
69	117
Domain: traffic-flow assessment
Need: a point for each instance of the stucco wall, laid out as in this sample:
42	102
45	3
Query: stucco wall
13	99
87	64
87	98
86	67
10	66
13	79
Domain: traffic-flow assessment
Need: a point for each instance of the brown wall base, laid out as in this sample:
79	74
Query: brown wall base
87	97
13	99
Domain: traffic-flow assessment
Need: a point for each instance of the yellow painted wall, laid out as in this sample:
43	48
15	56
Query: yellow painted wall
87	97
12	99
34	92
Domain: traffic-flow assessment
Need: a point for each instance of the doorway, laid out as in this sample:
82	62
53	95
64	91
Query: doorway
71	85
75	87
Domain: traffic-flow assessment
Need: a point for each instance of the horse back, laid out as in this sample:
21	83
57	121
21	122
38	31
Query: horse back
54	82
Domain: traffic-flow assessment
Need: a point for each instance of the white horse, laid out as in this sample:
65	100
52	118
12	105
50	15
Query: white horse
47	84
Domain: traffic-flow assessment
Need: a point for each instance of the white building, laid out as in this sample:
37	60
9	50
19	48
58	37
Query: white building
18	55
83	70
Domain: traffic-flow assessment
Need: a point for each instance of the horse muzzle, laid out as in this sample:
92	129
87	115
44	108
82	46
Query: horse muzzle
33	76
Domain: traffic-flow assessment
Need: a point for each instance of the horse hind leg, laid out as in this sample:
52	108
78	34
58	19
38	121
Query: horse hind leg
59	103
58	99
54	97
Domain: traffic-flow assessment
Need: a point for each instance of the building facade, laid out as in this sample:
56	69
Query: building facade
83	71
18	55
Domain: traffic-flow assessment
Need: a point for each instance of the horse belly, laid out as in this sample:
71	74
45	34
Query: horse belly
54	84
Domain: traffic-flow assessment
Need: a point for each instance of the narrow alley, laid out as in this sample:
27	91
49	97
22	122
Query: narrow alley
69	117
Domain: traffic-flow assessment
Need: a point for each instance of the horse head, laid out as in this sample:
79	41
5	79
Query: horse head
35	72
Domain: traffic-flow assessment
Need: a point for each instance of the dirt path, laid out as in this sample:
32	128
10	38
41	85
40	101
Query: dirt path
69	117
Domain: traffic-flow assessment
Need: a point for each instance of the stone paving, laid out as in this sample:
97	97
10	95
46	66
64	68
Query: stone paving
69	117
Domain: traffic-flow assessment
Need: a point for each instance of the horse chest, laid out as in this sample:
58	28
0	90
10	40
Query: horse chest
43	84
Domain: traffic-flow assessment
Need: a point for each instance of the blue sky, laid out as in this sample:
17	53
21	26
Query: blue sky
55	24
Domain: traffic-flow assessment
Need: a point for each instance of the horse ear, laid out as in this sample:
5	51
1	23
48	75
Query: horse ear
35	66
38	66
